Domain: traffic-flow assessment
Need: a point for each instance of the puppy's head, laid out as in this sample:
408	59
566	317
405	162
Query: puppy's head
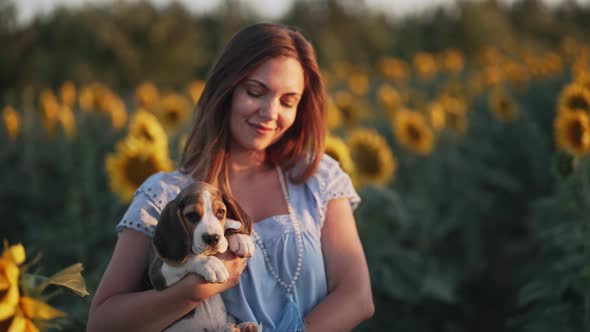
196	221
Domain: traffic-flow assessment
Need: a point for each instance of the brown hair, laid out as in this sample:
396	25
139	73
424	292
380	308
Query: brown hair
205	154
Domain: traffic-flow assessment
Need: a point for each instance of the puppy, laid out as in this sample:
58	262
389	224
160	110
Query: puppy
192	228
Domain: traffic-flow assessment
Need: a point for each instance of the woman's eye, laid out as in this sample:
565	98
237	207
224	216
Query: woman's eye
288	104
253	93
220	213
192	217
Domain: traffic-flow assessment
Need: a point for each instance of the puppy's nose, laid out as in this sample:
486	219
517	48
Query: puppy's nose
211	239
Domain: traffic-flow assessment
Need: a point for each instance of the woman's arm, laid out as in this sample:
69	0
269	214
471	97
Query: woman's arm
118	305
349	299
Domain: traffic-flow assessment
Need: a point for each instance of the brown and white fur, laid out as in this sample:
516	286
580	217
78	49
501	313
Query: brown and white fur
192	228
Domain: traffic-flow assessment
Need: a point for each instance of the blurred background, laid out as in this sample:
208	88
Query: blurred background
464	125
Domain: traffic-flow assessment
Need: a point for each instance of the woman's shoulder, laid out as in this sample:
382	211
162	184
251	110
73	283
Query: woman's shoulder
328	168
163	186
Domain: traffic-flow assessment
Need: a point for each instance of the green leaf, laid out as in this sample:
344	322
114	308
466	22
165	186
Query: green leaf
71	278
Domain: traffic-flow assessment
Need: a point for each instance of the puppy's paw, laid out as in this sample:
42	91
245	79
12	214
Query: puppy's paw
241	245
212	269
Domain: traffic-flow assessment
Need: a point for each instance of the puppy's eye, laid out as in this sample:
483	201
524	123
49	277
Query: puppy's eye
192	217
220	213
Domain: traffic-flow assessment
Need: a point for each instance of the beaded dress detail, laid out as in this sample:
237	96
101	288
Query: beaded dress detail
291	320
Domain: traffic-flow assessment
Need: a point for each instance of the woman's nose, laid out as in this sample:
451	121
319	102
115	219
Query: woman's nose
270	110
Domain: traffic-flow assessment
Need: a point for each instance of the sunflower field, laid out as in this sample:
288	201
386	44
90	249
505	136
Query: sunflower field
466	132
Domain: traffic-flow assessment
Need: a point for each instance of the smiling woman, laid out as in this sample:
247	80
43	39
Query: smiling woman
258	136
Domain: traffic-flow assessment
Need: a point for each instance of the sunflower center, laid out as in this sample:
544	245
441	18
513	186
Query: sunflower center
144	133
414	133
346	113
172	115
138	169
368	160
576	134
578	102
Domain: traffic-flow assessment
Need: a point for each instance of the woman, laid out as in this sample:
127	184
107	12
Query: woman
258	135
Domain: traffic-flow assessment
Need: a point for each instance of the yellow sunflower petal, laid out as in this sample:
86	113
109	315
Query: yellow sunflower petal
9	296
35	309
19	324
15	253
337	149
30	326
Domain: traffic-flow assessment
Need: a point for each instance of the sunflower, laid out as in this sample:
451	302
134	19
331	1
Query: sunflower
452	60
395	69
103	97
552	64
67	121
9	280
436	116
49	110
358	83
583	79
195	89
67	93
350	110
173	112
425	65
132	163
516	74
146	95
389	98
574	97
373	159
492	76
455	114
115	108
12	122
337	149
502	106
86	98
572	132
333	116
31	313
411	130
145	126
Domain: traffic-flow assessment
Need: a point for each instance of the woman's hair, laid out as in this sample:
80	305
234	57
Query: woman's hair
301	146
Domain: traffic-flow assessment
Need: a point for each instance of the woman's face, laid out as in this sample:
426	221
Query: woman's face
264	104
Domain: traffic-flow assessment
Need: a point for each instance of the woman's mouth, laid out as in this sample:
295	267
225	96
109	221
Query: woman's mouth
261	130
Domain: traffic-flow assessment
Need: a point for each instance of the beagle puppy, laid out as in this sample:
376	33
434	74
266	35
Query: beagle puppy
199	223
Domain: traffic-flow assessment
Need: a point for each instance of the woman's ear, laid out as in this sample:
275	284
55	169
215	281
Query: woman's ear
236	213
171	238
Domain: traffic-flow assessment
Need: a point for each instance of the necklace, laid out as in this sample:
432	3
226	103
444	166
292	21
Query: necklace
298	241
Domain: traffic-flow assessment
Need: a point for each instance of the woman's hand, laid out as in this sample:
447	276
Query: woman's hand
235	265
198	289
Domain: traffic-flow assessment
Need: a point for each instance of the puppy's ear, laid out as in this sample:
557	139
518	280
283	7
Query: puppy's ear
171	237
235	212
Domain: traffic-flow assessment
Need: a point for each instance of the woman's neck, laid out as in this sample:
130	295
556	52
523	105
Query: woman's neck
247	164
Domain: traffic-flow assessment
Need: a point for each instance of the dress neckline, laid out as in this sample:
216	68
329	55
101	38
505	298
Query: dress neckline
285	191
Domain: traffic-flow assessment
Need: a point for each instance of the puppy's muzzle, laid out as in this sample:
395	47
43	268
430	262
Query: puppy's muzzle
210	239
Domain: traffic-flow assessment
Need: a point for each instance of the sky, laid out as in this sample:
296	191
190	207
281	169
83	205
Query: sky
269	9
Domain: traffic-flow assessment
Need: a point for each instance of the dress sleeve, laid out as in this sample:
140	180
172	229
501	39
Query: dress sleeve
334	183
148	202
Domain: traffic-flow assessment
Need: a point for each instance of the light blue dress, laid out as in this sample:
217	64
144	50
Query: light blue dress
259	297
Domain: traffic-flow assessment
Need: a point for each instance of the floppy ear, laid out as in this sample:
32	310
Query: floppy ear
171	238
235	212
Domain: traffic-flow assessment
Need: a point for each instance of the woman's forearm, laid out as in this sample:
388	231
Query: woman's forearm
150	310
341	310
